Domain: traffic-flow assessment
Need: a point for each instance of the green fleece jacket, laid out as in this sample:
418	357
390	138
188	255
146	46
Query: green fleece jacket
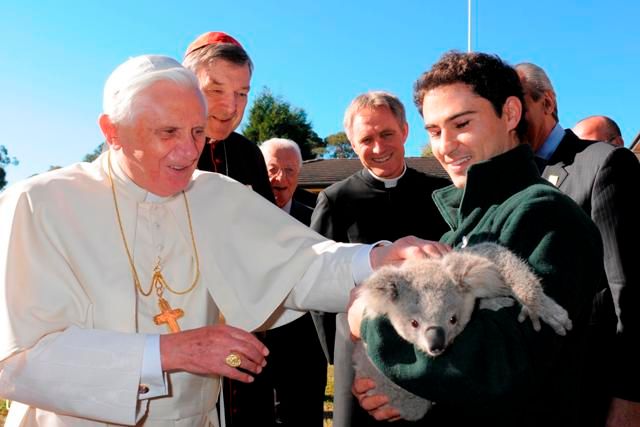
499	371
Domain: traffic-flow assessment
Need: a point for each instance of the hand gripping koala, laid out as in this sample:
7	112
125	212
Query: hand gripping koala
429	302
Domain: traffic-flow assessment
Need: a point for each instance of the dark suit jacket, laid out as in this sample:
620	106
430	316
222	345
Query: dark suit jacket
360	209
603	180
240	159
301	212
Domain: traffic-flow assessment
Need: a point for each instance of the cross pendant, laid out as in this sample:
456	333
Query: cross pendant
168	315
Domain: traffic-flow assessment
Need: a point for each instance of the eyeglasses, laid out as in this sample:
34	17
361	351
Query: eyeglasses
287	171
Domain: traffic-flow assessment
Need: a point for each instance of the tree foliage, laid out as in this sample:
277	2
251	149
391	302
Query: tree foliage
5	160
427	151
273	117
94	154
337	146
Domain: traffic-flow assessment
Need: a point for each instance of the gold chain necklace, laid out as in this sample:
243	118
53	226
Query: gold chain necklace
167	314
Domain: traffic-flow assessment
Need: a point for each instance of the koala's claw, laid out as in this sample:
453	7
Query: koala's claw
550	313
526	313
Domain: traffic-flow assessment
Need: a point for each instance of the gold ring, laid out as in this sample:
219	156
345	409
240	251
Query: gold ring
233	360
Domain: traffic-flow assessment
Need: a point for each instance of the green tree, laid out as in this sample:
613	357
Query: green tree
427	151
5	161
337	146
94	154
273	117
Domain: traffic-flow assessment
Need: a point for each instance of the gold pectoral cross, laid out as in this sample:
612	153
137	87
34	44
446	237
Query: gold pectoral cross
168	315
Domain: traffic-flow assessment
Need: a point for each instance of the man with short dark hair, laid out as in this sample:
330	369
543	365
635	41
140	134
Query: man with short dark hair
599	128
498	371
384	200
602	179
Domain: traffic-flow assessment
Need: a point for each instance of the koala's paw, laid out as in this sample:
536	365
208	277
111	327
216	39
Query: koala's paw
526	312
495	303
555	316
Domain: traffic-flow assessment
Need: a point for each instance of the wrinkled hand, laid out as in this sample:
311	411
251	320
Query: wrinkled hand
375	405
204	350
409	247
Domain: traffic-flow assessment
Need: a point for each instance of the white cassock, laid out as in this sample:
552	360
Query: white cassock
71	322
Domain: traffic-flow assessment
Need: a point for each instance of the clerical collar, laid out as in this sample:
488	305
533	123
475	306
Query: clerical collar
154	198
389	182
287	207
553	140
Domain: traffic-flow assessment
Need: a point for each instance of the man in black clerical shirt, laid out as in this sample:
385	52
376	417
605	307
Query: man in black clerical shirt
383	201
224	70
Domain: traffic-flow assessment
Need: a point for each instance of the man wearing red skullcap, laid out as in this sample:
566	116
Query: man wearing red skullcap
224	72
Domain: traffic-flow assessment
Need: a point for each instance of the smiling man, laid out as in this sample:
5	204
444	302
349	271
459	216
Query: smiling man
224	70
498	371
284	161
298	403
384	200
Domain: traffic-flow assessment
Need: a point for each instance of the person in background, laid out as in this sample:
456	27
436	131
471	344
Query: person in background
599	128
224	71
602	179
298	402
384	200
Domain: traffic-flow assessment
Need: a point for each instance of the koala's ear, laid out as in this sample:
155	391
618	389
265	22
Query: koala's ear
472	273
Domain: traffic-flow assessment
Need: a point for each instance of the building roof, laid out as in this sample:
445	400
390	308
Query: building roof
635	145
320	173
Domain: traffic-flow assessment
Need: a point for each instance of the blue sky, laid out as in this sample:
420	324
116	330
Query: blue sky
317	55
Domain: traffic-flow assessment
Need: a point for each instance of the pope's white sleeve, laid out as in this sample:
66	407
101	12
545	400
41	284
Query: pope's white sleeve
86	373
316	294
153	381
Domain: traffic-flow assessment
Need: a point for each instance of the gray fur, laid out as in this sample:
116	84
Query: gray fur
412	407
429	302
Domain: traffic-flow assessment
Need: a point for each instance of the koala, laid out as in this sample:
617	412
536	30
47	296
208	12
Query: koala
429	302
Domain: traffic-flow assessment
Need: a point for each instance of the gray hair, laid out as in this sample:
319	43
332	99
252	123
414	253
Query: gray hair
374	99
207	54
536	83
138	73
274	144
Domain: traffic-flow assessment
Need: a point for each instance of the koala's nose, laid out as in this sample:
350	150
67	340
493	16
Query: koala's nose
435	340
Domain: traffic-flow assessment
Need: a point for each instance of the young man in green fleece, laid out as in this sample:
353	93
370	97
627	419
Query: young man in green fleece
498	371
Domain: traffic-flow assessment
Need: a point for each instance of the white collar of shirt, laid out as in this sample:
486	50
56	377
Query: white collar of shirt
287	207
552	142
124	184
389	182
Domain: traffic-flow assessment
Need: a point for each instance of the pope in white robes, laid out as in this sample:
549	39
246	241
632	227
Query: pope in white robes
79	341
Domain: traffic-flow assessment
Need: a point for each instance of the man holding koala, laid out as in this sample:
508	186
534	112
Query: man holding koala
498	372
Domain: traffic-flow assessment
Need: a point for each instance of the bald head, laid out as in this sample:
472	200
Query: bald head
599	128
